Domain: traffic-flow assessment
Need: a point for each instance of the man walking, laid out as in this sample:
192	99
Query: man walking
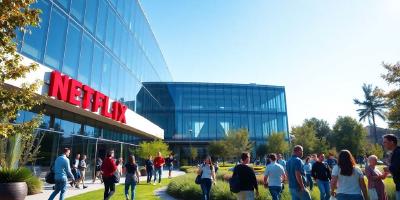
247	177
61	171
281	161
390	144
273	177
296	175
159	162
322	174
170	164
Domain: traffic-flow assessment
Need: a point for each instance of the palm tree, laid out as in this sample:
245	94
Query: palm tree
373	105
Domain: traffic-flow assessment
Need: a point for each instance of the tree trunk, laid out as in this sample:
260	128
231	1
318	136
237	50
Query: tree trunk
375	135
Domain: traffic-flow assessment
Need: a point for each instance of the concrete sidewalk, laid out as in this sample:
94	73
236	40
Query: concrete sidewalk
162	193
47	190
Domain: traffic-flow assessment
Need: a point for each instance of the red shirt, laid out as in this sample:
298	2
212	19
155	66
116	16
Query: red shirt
158	162
108	167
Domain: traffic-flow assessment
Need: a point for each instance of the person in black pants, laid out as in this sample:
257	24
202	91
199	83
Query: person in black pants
247	177
390	144
149	168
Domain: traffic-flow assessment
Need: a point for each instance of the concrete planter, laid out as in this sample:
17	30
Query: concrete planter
13	191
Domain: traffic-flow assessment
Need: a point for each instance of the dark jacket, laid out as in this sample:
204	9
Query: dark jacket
149	165
395	167
321	171
247	177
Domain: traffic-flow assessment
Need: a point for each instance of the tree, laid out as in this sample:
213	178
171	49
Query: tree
320	126
372	106
218	149
276	143
392	77
193	153
374	149
305	136
152	148
349	134
261	150
15	15
238	142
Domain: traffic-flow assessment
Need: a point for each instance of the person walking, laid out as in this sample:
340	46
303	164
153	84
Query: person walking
322	174
131	177
75	171
159	162
247	177
307	169
281	161
207	172
274	175
296	175
331	161
119	164
348	179
390	144
97	173
149	168
170	164
109	168
62	171
82	169
376	187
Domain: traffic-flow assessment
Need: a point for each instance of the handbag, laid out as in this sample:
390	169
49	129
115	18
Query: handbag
198	178
373	195
234	183
115	177
50	176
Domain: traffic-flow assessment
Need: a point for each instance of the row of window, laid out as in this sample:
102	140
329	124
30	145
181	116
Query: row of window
210	126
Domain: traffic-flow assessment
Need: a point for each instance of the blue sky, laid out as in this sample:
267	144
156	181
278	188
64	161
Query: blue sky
321	51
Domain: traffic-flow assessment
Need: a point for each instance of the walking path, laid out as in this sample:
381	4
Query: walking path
47	189
162	193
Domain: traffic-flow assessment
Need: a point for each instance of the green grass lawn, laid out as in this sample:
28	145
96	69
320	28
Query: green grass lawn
144	191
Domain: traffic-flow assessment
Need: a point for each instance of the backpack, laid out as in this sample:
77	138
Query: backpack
234	182
50	176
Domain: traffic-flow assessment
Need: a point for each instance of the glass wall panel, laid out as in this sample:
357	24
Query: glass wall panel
106	74
101	20
91	15
72	50
85	61
56	39
64	4
78	9
96	65
34	42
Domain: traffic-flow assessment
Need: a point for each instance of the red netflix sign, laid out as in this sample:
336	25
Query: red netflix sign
74	92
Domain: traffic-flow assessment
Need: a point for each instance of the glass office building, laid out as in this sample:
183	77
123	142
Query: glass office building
197	113
107	45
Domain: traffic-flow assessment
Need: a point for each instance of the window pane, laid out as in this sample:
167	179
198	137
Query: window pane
110	28
101	20
91	15
105	81
56	39
64	4
72	50
96	66
85	61
114	80
78	9
34	42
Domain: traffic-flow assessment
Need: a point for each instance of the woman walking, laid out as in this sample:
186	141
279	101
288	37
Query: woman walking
207	173
109	167
376	187
348	179
307	168
132	177
149	168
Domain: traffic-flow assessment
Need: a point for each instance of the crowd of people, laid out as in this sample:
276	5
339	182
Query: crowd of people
108	171
339	178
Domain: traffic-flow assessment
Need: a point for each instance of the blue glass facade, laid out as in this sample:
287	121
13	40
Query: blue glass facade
207	111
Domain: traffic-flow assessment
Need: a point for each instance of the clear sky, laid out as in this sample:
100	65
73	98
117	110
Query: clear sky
322	51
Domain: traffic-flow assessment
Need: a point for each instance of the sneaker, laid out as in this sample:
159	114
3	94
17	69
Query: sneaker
77	187
72	184
84	187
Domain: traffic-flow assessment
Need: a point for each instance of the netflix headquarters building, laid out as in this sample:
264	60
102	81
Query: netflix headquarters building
106	86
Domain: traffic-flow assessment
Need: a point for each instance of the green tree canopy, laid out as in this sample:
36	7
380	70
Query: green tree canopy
349	134
238	142
276	143
372	106
320	126
218	150
392	77
152	148
305	136
261	150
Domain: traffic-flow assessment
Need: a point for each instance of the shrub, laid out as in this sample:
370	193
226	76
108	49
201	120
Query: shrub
34	185
188	169
14	175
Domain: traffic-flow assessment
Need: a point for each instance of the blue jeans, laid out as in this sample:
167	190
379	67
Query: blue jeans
276	192
206	188
132	185
397	195
61	186
297	194
149	174
310	182
324	190
341	196
157	171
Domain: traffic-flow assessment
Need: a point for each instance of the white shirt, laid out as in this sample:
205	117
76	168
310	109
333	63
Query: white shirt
348	184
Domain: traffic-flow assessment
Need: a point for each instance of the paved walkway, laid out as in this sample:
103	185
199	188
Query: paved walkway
162	193
47	190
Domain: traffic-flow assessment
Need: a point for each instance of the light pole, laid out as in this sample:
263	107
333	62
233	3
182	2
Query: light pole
190	145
